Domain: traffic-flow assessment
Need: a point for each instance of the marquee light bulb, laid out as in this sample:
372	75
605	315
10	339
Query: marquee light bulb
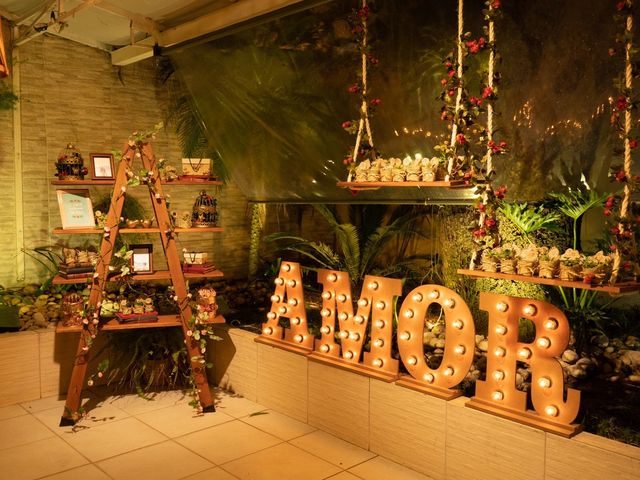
498	375
501	329
551	410
298	338
271	315
458	324
275	298
325	312
342	316
267	331
524	353
409	313
377	362
428	377
344	333
544	382
358	319
380	323
412	360
499	352
551	324
378	343
293	302
363	302
502	307
324	348
417	297
282	310
434	294
348	354
449	302
296	320
332	277
341	297
380	305
279	281
448	371
326	329
326	295
459	349
530	310
286	267
544	342
355	336
497	395
405	336
373	285
291	283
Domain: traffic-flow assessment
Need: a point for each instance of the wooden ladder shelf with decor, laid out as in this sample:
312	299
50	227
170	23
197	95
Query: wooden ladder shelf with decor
93	324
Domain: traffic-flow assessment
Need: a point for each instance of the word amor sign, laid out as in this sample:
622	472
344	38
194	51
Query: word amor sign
374	319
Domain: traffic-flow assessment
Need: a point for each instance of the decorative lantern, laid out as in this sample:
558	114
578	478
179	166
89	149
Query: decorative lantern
204	211
72	305
206	300
70	164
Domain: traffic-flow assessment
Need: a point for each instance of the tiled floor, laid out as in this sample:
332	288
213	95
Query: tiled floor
128	438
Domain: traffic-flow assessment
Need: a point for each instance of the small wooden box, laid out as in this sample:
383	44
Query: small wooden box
195	258
196	167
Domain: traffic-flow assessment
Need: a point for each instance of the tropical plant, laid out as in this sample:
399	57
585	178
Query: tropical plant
358	251
575	203
528	219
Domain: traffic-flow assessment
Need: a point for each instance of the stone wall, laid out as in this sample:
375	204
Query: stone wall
71	93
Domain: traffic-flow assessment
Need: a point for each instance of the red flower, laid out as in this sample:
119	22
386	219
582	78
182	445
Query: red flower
612	52
375	102
347	160
481	232
610	202
503	144
627	265
444	115
346	124
487	92
621	176
451	73
481	207
448	64
475	101
490	223
443	82
473	46
495	4
615	230
633	143
622	103
451	92
482	42
613	248
354	88
461	139
607	212
373	60
621	5
363	12
357	29
588	278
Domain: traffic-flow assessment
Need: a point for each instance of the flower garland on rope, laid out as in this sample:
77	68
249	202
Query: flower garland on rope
485	230
361	128
619	207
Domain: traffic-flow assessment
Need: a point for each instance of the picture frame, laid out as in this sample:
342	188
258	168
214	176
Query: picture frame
102	166
76	209
142	258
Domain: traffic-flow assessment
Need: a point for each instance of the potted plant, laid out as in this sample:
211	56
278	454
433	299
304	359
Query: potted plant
508	259
548	261
490	259
528	260
596	268
570	265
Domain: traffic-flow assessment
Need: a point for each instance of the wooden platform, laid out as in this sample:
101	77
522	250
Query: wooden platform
113	324
111	182
356	186
71	231
616	289
140	277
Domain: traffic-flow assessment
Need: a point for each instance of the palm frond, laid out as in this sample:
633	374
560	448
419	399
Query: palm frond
316	251
529	219
576	202
349	243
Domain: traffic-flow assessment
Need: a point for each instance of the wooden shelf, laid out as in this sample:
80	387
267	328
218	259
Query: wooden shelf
141	277
111	182
618	288
83	182
113	324
72	231
356	186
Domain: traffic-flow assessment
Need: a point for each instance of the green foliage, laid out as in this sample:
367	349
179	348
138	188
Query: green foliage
528	219
8	99
575	203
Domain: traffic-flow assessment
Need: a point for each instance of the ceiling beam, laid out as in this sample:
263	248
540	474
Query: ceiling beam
225	17
70	13
143	23
8	15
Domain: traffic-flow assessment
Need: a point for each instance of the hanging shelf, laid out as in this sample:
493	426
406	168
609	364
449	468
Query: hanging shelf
360	186
616	289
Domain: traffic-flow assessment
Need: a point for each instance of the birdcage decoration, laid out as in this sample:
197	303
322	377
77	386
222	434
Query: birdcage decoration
204	211
70	164
72	306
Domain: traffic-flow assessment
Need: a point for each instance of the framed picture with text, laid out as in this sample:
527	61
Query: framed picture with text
76	210
102	166
142	258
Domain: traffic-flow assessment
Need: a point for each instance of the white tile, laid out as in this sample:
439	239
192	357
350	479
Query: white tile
37	459
11	411
332	449
115	438
279	425
282	462
21	430
344	476
382	469
227	441
216	473
86	472
179	420
135	404
235	405
164	461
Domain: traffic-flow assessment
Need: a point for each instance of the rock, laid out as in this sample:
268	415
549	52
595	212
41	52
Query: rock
524	373
479	338
630	358
440	343
519	380
483	346
437	330
40	320
438	351
614	378
576	372
601	340
427	336
481	363
609	349
634	378
29	290
585	363
569	356
632	341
